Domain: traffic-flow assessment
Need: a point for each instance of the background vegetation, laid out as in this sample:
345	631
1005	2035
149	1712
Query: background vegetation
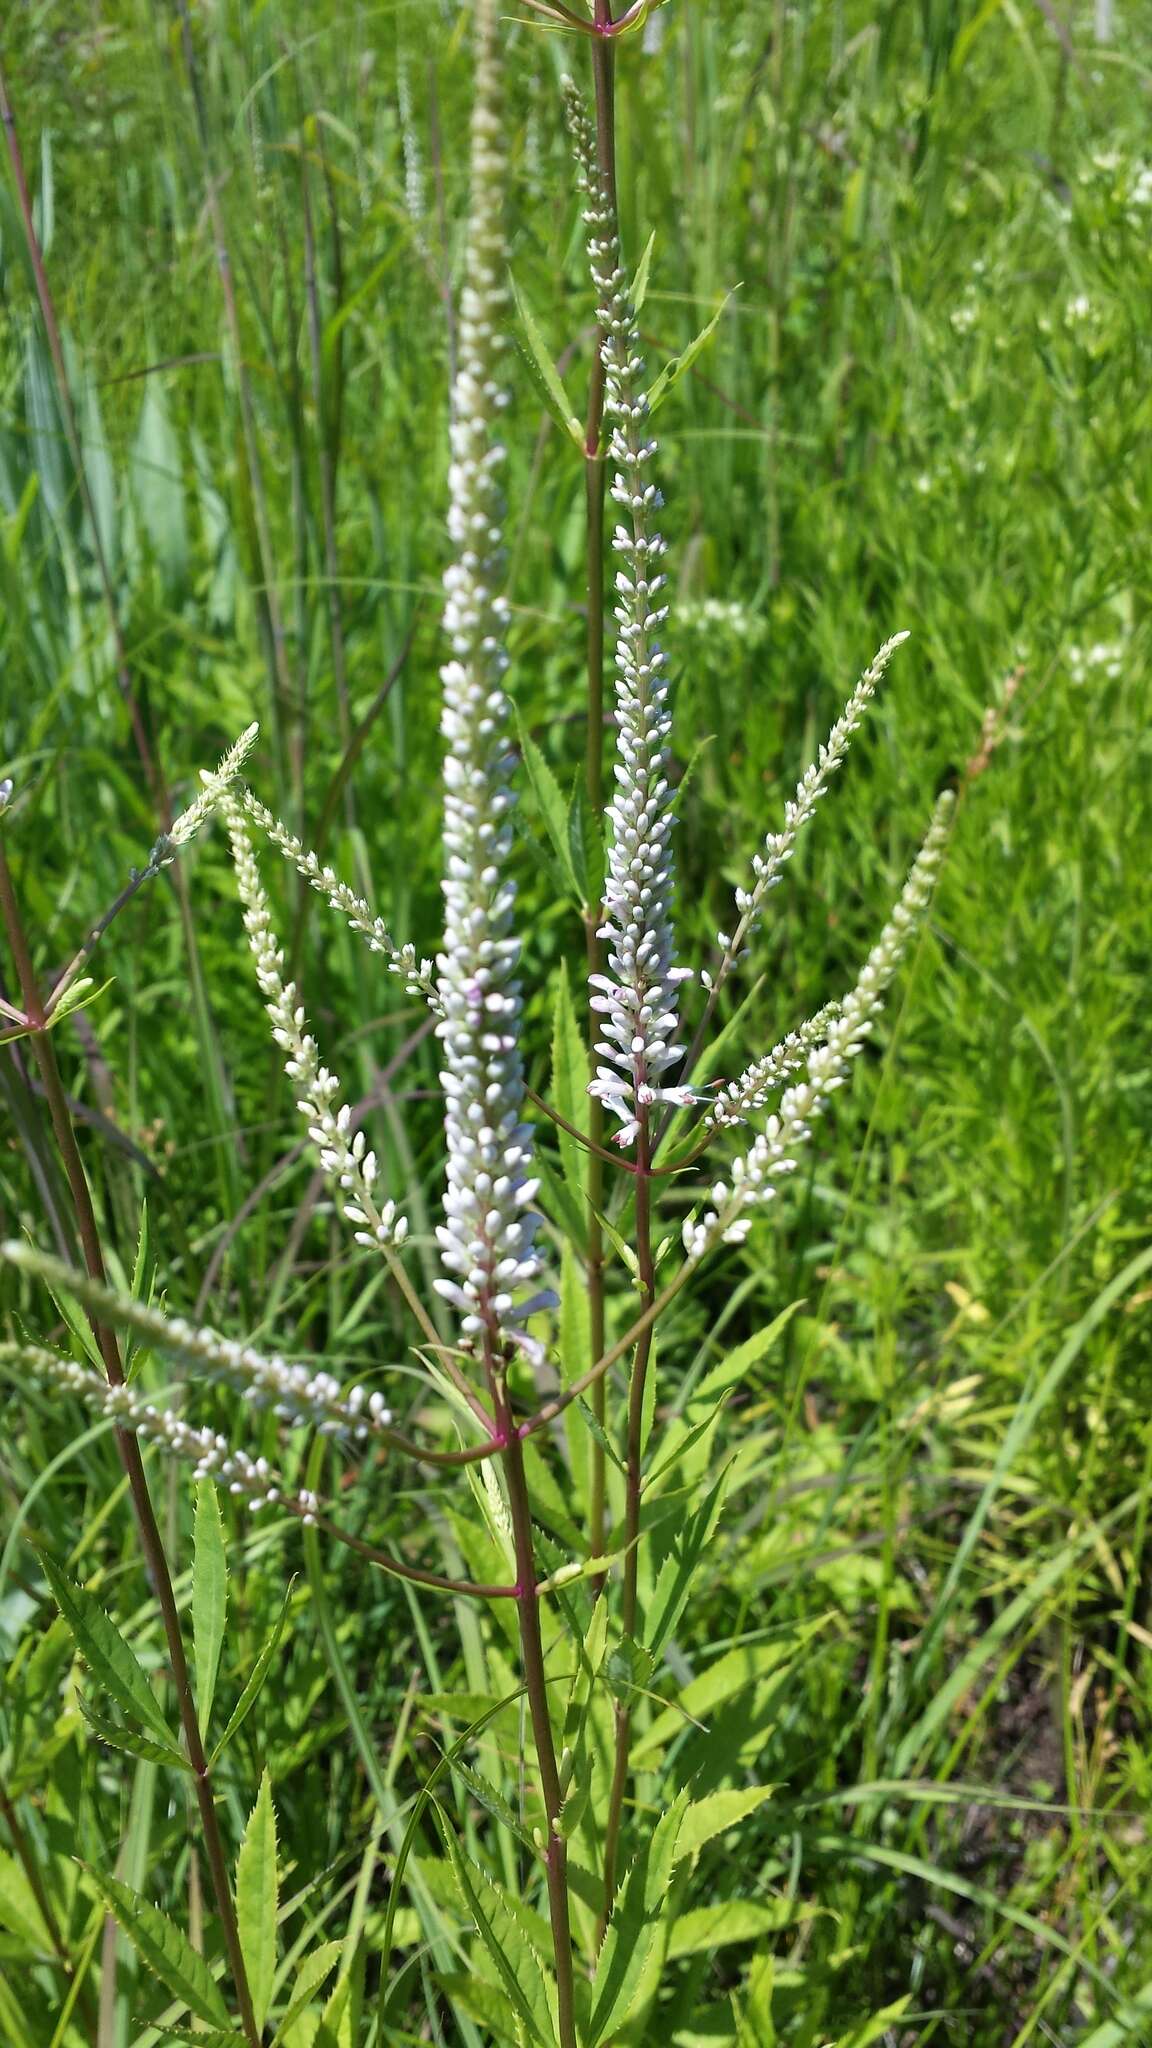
927	404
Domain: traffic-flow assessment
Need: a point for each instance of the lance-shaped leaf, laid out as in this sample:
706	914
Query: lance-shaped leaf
257	1896
164	1948
108	1657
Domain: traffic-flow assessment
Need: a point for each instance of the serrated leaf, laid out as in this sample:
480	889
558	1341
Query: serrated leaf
164	1948
677	1574
707	1818
727	1921
257	1894
108	1657
306	1982
672	372
570	1078
550	804
492	1800
518	1966
627	1968
643	271
209	1597
545	375
255	1685
628	1666
131	1743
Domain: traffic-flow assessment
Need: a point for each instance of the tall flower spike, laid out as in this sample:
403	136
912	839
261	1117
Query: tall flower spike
215	785
295	1393
487	1240
639	996
348	1165
774	1153
416	974
738	1100
779	847
211	1455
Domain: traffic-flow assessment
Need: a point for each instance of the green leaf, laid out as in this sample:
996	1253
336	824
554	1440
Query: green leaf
551	806
256	1900
492	1800
627	1968
728	1920
707	1818
108	1657
871	2030
131	1743
570	1078
545	375
259	1673
643	269
77	997
518	1966
672	372
19	1911
209	1597
308	1977
158	488
164	1948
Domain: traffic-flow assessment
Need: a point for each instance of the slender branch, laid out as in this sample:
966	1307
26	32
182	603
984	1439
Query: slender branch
635	1451
600	1152
595	485
410	1571
84	952
611	1357
151	1542
536	1685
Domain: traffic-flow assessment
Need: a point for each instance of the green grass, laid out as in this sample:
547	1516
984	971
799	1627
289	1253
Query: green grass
927	406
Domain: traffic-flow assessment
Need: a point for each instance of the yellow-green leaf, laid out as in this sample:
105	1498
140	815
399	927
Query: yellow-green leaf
256	1900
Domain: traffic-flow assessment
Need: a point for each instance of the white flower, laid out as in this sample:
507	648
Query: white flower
347	1164
216	784
211	1456
487	1241
639	996
416	974
780	846
773	1154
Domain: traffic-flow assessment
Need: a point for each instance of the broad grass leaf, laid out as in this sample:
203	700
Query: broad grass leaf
108	1657
209	1597
707	1818
731	1674
255	1684
306	1982
158	488
257	1894
165	1949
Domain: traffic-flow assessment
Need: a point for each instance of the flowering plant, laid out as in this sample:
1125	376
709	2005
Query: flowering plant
591	1620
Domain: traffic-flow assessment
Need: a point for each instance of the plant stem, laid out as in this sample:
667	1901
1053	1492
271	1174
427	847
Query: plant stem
151	1542
595	481
536	1685
633	1478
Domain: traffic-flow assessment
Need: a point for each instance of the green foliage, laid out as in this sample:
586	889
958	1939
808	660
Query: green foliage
894	1555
